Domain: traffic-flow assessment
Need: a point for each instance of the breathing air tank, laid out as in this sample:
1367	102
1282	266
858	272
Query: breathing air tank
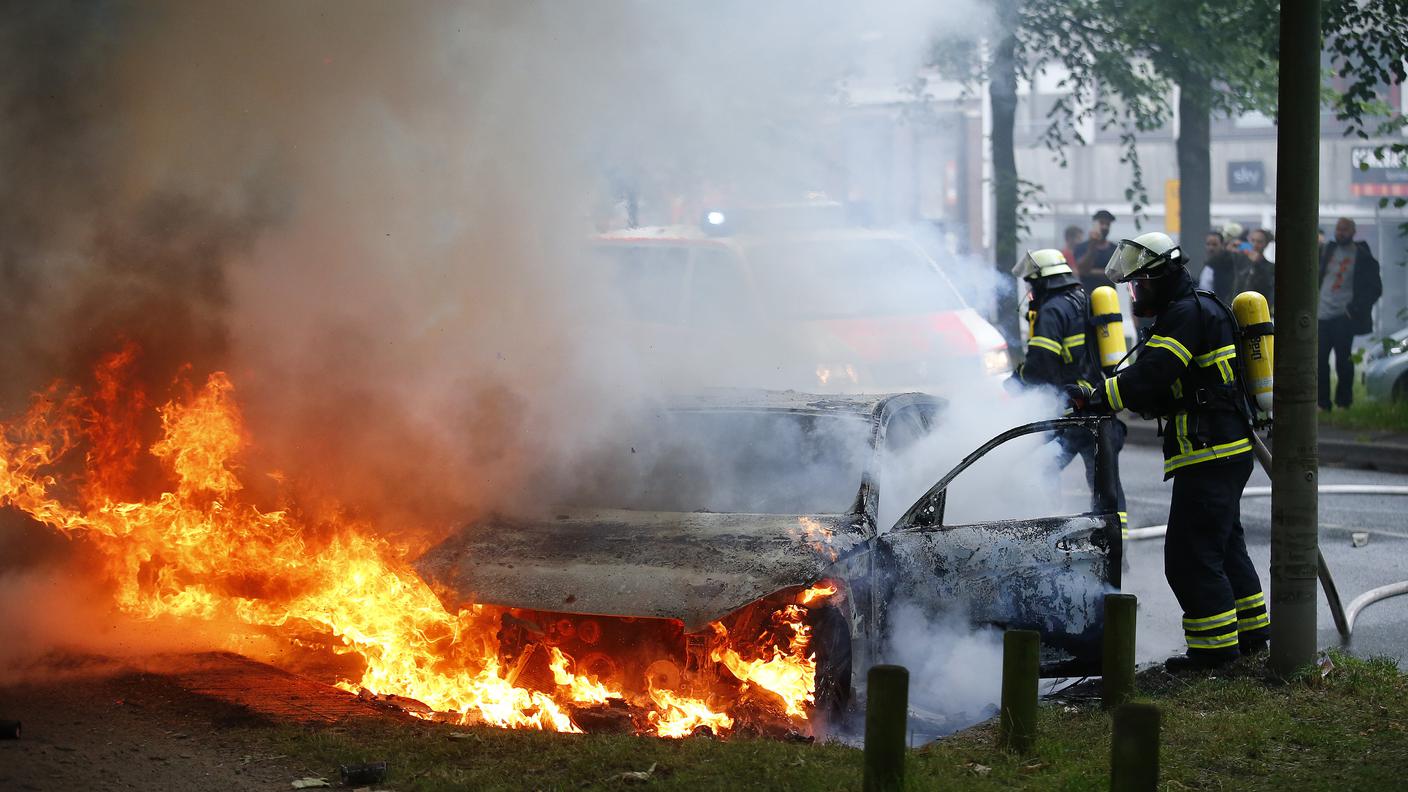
1258	341
1109	326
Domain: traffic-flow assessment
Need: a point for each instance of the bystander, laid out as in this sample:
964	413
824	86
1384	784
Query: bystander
1093	254
1072	235
1256	271
1220	267
1349	287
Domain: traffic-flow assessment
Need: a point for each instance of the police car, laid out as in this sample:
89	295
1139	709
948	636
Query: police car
760	299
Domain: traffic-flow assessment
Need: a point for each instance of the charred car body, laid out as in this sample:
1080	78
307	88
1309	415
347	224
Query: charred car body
636	579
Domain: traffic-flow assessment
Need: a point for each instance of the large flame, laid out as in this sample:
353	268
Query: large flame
201	549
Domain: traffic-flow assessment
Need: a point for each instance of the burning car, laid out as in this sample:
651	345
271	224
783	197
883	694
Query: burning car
720	567
730	546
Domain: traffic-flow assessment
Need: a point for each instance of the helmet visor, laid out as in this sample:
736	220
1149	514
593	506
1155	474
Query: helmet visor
1128	260
1041	264
1026	269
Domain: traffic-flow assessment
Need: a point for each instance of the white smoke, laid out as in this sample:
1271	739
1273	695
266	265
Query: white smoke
955	672
374	216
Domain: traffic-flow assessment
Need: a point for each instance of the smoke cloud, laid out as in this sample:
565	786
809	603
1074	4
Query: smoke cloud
955	671
374	215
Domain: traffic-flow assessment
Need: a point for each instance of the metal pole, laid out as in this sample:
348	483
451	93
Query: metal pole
1294	504
1021	669
1117	669
1134	749
886	720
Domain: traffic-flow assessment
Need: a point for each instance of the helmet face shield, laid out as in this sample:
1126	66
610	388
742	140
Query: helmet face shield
1128	259
1143	257
1041	264
1026	269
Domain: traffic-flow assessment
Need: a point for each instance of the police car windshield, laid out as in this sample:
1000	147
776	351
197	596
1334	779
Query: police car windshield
836	279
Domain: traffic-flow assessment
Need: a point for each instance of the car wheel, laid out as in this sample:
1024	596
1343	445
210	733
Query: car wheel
1400	389
833	663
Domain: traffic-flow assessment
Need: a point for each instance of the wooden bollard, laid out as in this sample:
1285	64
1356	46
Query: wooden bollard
886	723
1118	659
1134	749
1021	667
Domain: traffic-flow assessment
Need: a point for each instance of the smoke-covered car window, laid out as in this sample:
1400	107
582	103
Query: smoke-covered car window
718	291
651	279
760	462
836	279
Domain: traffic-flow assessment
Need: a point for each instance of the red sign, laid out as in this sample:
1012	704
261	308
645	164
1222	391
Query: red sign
1379	190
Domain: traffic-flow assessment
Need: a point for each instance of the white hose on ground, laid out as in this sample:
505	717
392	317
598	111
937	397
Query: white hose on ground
1337	489
1157	531
1360	602
1370	597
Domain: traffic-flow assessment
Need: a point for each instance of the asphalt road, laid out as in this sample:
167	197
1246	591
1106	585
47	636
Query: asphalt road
1382	628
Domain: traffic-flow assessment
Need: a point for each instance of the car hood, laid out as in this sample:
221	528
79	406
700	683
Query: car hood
942	334
695	567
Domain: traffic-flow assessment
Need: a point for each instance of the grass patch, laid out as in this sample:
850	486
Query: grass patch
1346	731
1368	415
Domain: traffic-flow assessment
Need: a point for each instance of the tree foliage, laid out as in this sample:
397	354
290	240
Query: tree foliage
1367	43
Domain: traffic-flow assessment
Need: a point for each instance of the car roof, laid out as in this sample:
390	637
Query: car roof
685	234
861	405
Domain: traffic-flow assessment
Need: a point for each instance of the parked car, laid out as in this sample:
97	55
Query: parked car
1385	369
820	310
719	509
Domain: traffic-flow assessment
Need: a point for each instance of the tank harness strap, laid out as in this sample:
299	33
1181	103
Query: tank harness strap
1259	329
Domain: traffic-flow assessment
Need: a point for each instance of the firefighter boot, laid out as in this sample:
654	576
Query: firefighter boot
1198	662
1251	647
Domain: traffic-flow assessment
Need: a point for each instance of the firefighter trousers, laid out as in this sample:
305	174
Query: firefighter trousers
1206	561
1081	442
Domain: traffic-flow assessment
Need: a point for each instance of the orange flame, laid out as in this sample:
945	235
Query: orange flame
788	673
199	550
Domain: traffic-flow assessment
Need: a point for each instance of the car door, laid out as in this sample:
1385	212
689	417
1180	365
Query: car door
1048	574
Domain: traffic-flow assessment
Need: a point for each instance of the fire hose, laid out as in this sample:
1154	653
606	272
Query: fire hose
1344	617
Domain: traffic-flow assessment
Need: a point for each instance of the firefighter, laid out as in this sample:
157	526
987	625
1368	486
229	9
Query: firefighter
1187	376
1061	353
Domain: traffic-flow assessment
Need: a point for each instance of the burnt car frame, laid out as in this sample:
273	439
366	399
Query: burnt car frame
668	575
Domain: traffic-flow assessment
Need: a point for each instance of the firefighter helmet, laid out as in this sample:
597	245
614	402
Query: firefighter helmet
1148	255
1042	263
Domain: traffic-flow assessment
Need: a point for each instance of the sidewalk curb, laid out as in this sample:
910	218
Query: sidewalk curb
1334	452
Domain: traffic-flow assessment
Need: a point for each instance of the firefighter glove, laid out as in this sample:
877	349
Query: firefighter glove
1085	398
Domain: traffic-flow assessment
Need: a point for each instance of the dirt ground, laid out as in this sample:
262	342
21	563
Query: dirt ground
169	723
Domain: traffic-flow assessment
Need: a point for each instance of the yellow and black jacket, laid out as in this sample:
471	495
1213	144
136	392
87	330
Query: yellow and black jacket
1058	351
1186	375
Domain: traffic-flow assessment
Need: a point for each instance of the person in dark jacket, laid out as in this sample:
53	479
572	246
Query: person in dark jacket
1220	267
1091	255
1349	287
1061	352
1187	375
1257	272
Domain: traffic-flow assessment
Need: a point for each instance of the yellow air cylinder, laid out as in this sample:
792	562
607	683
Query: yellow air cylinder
1258	344
1109	326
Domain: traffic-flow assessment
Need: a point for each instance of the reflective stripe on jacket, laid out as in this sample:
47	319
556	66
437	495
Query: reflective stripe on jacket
1058	353
1187	375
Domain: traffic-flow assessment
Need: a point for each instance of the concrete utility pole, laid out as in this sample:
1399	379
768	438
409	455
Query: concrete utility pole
1294	499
